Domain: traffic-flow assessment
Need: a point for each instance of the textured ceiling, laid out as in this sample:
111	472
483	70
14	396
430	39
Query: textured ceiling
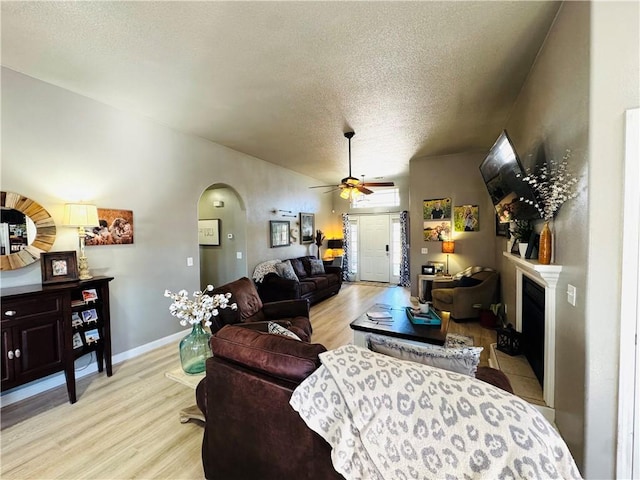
282	81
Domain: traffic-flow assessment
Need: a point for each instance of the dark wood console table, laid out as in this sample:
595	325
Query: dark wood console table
46	327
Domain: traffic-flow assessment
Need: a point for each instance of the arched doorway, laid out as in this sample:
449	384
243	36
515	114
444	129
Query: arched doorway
223	263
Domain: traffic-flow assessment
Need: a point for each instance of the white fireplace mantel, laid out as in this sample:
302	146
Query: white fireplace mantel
547	276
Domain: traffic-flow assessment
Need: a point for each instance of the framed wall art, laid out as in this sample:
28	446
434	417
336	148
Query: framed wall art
466	218
437	209
307	227
58	267
436	230
116	228
279	233
209	232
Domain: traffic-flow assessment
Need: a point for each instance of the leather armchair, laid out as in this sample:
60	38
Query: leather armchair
472	287
294	313
251	431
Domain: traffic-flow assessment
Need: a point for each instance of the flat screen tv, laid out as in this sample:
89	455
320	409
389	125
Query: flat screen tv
502	173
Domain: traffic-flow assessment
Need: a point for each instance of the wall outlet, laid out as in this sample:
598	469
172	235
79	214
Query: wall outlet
189	261
424	251
239	255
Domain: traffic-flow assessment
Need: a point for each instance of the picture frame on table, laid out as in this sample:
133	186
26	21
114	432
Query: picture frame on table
59	267
307	227
209	232
279	233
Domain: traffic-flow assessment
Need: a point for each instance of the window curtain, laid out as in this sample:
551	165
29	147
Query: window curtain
346	246
405	275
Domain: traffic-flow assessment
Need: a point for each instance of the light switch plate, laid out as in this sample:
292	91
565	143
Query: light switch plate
571	295
238	255
424	251
189	261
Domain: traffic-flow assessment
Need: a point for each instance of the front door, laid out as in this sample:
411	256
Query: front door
374	248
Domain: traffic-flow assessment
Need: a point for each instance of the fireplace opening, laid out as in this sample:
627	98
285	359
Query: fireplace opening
533	325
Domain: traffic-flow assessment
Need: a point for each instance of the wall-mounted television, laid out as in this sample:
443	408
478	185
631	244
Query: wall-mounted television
500	170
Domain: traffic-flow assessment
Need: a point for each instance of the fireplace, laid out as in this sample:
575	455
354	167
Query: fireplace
538	283
533	326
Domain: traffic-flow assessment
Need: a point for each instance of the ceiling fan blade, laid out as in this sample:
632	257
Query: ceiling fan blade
364	190
325	186
378	184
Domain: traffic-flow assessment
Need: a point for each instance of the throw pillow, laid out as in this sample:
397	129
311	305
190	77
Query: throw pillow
317	267
468	282
462	360
273	327
298	267
285	270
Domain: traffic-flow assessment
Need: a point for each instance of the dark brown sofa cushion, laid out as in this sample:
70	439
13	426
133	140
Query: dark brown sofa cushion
276	355
298	267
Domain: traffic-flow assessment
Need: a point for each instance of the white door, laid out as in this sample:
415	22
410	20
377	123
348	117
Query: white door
374	248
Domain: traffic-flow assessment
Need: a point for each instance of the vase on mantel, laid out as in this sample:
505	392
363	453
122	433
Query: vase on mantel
194	350
522	248
544	252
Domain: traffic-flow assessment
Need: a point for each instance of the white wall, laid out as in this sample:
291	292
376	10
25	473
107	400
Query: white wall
58	146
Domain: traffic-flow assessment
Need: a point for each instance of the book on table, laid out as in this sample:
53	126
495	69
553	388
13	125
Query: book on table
379	315
417	317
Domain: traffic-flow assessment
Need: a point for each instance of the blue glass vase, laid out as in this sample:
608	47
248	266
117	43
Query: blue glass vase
194	350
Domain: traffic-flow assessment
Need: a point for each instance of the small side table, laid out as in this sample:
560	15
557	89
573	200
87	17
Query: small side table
424	294
178	375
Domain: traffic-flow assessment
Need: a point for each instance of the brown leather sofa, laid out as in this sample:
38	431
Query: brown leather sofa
293	314
251	431
312	287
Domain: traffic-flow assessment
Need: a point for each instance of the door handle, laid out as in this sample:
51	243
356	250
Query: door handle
386	248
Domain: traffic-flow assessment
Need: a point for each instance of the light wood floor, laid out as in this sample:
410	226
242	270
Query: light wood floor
127	426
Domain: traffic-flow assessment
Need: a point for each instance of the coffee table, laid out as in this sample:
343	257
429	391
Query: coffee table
399	327
178	375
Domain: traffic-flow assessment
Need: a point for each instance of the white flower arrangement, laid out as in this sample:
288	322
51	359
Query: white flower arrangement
553	186
199	309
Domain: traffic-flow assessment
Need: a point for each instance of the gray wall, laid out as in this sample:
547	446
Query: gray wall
573	100
551	115
58	147
456	177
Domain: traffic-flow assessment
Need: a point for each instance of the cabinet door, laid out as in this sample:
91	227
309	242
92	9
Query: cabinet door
39	345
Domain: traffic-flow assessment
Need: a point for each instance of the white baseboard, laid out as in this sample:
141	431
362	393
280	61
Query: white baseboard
52	381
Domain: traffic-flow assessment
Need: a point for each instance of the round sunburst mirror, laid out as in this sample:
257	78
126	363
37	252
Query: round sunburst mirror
26	231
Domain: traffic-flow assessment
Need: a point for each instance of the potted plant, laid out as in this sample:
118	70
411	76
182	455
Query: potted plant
522	231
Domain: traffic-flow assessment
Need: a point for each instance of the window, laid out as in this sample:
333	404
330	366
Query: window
353	246
383	197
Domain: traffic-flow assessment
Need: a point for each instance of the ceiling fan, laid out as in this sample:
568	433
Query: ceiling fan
351	186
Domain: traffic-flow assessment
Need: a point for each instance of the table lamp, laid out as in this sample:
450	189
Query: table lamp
448	246
332	245
81	215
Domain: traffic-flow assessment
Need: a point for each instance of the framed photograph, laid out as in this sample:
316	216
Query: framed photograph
436	230
307	227
89	316
115	228
76	321
89	295
428	270
437	209
91	336
77	340
58	267
502	229
209	232
438	267
466	218
279	232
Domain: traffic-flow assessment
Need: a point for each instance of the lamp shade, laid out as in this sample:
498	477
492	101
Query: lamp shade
334	243
80	215
448	247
